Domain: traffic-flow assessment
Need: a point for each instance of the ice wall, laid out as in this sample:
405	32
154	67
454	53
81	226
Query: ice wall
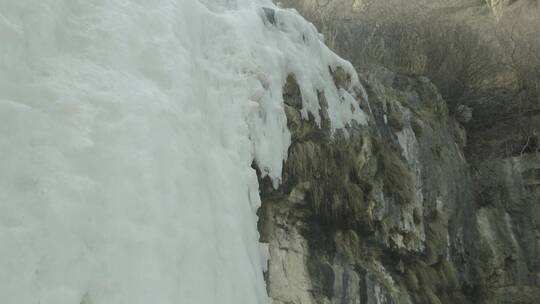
127	133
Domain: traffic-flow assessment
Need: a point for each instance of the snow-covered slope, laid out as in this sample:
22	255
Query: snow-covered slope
127	134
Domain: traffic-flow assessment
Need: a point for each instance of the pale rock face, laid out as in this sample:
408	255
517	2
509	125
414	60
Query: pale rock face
288	255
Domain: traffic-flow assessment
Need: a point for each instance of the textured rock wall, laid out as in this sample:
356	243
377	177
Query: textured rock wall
399	211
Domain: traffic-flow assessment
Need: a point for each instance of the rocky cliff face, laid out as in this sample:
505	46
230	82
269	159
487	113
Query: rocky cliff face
413	208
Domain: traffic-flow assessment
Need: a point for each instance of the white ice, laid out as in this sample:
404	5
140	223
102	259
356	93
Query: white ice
127	133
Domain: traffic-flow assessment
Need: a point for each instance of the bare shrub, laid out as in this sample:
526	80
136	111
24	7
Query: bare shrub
493	68
451	54
521	42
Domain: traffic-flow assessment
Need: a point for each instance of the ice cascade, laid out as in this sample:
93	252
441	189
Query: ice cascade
128	130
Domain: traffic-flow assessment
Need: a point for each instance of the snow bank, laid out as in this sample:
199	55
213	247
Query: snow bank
128	129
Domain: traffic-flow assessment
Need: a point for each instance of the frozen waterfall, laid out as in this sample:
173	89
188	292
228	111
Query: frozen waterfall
127	133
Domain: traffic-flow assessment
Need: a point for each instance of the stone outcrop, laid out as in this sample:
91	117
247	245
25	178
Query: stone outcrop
404	210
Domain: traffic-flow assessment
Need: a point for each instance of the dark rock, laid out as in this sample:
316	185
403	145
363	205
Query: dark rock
270	15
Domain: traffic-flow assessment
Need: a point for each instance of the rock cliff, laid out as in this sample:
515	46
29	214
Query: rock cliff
415	207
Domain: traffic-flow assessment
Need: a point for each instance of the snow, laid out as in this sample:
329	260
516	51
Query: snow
128	130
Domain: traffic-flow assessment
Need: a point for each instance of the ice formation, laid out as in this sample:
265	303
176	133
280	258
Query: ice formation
128	130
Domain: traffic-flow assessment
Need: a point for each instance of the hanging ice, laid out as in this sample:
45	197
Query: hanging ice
127	131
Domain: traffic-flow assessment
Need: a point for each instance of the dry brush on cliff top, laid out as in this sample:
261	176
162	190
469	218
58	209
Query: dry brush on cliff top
475	57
